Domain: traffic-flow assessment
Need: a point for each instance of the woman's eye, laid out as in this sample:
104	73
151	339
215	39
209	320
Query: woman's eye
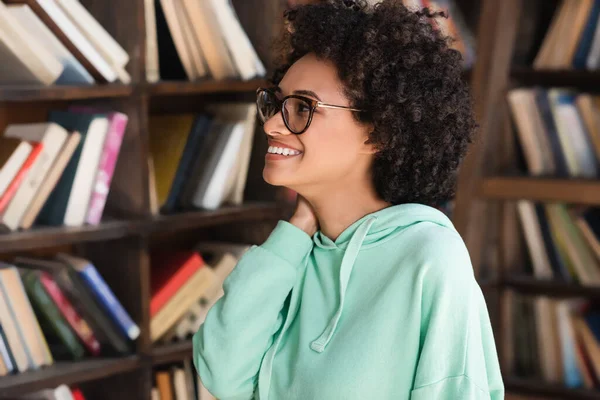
302	108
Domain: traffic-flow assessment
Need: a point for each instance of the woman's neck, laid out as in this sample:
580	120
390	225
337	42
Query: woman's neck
339	208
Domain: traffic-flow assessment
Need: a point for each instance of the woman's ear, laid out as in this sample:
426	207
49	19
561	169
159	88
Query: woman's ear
368	146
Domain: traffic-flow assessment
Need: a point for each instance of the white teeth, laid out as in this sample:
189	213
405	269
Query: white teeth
282	150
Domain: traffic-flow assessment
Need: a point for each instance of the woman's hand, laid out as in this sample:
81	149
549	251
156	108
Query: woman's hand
304	217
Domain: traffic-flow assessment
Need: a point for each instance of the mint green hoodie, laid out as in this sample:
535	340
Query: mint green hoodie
389	310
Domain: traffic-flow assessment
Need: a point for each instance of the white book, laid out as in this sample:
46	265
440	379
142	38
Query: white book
152	60
179	384
78	39
85	176
110	49
168	7
15	70
14	163
246	60
535	241
208	34
74	73
192	44
212	197
562	129
52	136
155	394
14	340
42	63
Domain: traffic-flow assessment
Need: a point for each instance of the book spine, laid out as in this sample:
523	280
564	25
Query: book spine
106	297
5	353
106	169
18	179
78	324
53	317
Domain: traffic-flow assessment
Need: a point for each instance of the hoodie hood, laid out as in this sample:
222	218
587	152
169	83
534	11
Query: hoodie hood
370	230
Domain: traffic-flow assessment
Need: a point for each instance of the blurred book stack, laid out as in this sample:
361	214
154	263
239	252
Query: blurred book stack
59	172
45	42
192	40
58	309
559	131
573	38
201	161
552	340
563	241
185	285
179	382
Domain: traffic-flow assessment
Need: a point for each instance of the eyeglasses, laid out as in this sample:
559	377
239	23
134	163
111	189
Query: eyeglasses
297	111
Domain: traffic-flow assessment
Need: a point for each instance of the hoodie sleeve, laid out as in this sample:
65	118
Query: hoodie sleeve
239	328
458	358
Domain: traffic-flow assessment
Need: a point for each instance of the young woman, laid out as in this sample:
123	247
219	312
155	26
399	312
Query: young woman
368	291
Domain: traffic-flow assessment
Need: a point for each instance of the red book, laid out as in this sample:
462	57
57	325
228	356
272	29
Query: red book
16	182
78	324
169	272
77	394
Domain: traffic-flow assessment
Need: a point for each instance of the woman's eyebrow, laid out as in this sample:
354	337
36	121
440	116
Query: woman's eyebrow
307	93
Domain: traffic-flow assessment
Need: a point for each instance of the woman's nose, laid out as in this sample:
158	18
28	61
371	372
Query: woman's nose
275	126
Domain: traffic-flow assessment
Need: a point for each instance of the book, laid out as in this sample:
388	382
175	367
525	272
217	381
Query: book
34	55
27	323
117	123
54	174
13	154
77	324
588	109
588	224
108	47
16	181
168	137
72	38
102	293
555	256
179	39
69	201
170	271
180	302
549	129
16	352
112	341
587	37
210	36
15	70
73	72
8	359
179	384
61	339
163	382
197	57
52	137
195	140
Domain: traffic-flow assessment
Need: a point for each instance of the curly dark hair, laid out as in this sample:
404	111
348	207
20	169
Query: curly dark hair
395	65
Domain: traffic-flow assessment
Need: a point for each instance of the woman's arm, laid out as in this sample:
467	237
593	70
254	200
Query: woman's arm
239	328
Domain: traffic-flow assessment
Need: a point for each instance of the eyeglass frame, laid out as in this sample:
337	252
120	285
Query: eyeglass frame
314	104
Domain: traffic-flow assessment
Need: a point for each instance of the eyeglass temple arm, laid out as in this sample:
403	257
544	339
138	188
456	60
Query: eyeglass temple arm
325	105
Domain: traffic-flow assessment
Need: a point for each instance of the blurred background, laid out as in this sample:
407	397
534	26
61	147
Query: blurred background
130	184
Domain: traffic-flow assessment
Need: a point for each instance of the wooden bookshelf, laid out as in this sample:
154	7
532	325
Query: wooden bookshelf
66	373
165	354
541	189
487	189
548	390
120	246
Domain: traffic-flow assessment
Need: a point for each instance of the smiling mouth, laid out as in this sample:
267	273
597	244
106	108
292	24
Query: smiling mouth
284	151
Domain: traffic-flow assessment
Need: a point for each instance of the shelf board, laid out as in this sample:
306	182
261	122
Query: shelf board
170	353
45	93
65	373
557	78
200	219
539	388
178	88
38	237
577	191
530	285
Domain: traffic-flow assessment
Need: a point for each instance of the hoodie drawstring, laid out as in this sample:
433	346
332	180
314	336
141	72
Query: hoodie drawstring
350	255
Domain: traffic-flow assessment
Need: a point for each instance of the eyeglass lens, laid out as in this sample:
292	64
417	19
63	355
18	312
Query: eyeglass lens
296	112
